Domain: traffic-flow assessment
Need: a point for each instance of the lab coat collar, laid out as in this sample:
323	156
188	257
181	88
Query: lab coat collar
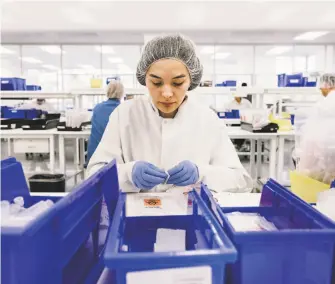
180	109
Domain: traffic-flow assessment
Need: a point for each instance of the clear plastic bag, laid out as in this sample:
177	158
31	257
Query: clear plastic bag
316	152
245	222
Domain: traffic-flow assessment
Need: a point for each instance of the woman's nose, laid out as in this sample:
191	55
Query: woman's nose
167	92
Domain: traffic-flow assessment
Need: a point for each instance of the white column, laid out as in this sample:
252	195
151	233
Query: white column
329	59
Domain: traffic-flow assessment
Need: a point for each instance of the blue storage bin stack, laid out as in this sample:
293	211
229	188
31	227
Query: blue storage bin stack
61	245
34	88
301	251
206	243
295	80
13	84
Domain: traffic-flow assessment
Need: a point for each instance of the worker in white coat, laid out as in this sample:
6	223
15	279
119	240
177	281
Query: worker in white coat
305	120
327	84
40	104
166	138
239	103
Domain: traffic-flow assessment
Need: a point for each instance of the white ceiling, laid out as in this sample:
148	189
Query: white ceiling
128	21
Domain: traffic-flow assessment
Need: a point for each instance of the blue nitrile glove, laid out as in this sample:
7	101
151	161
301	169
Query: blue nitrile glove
147	176
185	173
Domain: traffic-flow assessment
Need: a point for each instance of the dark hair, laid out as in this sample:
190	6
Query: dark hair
244	85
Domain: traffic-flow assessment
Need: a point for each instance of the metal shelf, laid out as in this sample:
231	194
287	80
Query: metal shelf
34	95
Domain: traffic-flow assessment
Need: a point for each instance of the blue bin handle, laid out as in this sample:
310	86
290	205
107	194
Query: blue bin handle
207	214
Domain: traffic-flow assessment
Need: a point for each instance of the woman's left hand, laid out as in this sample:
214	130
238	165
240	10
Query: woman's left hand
185	173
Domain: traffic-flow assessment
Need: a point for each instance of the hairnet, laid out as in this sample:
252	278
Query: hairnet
115	90
172	47
327	80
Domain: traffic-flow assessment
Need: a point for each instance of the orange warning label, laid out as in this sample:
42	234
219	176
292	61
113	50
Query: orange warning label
152	202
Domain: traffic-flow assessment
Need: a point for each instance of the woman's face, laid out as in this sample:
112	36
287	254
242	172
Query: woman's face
168	81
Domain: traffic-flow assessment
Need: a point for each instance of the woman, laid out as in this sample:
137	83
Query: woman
101	114
167	138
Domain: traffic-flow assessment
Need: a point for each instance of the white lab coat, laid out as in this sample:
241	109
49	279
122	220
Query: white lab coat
136	132
245	104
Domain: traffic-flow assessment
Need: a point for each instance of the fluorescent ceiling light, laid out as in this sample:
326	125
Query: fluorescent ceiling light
209	49
310	35
53	49
221	55
105	49
278	50
31	60
6	50
50	67
115	59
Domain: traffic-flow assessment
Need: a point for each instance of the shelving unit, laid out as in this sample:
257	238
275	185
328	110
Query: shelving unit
258	93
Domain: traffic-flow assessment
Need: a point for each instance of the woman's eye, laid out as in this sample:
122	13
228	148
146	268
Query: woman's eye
178	84
157	84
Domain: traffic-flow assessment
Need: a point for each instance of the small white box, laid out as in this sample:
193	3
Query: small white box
40	145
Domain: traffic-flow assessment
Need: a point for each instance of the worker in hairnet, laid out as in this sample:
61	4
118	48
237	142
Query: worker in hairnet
239	103
327	84
40	104
168	140
101	114
305	119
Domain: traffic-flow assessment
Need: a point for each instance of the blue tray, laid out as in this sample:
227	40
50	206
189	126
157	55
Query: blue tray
206	243
302	251
61	245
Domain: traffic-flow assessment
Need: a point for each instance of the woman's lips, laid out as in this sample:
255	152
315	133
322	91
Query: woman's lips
167	103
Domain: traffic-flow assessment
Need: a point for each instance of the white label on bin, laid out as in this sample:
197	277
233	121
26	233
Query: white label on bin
189	275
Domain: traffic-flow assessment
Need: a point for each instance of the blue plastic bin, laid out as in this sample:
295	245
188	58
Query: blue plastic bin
206	244
236	113
112	79
311	84
223	84
302	251
33	88
221	114
306	83
61	245
13	84
295	80
230	83
21	113
14	113
4	110
229	114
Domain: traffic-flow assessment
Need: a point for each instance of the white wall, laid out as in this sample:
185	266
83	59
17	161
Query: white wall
64	67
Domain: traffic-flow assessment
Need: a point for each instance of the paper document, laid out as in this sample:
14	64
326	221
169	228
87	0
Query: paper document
156	204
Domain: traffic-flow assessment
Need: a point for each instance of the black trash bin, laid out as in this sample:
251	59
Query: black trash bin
47	183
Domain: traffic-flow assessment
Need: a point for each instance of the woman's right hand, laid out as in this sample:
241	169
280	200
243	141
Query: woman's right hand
147	176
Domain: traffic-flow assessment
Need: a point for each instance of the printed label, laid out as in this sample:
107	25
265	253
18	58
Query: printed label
152	202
